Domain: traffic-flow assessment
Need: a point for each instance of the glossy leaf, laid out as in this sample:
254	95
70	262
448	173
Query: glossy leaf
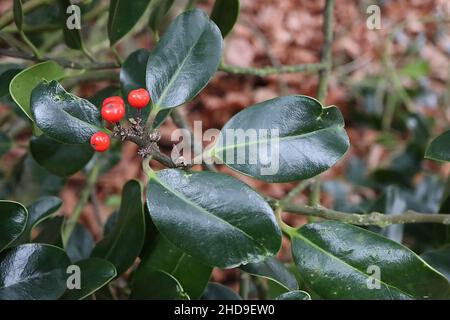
273	269
72	37
158	10
439	148
283	139
42	273
339	261
39	211
225	14
124	243
13	220
294	295
217	291
80	244
5	143
63	116
95	273
25	81
61	159
440	260
159	286
51	232
184	60
132	76
191	273
212	217
123	16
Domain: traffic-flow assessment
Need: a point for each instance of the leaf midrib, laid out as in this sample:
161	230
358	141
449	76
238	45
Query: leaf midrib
40	275
284	138
317	247
73	118
193	204
177	72
117	236
113	18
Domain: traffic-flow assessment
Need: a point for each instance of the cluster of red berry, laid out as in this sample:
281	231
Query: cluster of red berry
113	110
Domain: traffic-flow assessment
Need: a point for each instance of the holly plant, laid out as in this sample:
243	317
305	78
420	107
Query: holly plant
182	219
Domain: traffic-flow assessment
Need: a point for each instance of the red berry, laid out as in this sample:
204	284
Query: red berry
113	111
139	98
100	141
113	99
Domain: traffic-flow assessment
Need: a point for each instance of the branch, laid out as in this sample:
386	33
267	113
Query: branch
373	218
146	141
180	120
84	197
326	51
267	71
63	62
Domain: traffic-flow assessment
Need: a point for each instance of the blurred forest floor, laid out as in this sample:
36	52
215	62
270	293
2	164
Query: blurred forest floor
366	67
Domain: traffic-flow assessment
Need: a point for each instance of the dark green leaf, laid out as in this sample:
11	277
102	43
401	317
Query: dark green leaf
294	295
213	217
439	148
39	211
7	72
123	16
225	14
25	81
184	60
30	181
59	158
80	244
124	243
274	289
5	143
51	232
158	10
339	261
274	270
44	17
33	272
151	235
132	76
42	209
216	291
18	14
110	223
283	139
440	260
95	273
72	37
192	274
13	220
63	116
160	286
